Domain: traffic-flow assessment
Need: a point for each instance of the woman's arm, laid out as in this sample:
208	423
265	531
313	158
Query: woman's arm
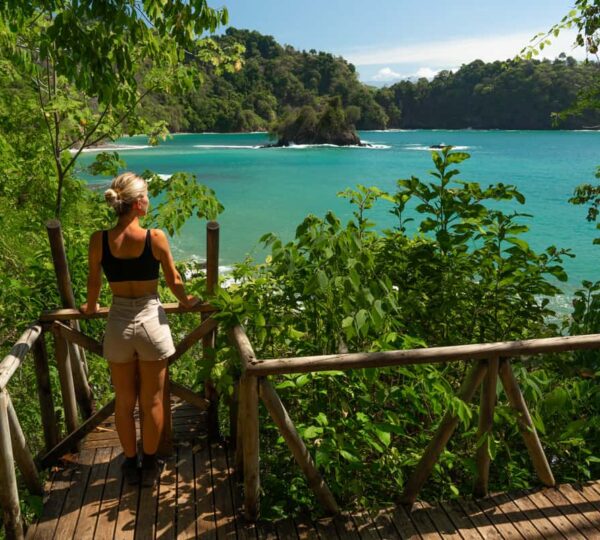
161	248
94	281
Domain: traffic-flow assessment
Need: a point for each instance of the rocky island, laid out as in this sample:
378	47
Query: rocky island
326	125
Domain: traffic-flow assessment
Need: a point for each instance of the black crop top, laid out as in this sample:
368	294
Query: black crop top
142	268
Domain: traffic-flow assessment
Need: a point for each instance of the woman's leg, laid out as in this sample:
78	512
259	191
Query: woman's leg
124	377
152	384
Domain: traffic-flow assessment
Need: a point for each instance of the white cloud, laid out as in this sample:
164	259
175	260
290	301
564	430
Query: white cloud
455	52
386	74
426	72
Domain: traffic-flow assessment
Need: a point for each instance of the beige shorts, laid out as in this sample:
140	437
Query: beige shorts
137	329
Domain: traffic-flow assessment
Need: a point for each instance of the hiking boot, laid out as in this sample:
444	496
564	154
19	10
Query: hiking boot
131	470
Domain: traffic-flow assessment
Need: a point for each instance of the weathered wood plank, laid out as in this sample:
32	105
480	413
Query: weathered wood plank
186	499
443	525
575	515
561	523
420	517
223	497
11	362
454	353
513	514
484	525
128	506
404	524
545	527
502	524
145	526
46	525
460	520
205	512
306	529
88	517
286	530
326	528
167	501
365	526
73	503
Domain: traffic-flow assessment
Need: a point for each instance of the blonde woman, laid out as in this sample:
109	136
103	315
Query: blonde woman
138	340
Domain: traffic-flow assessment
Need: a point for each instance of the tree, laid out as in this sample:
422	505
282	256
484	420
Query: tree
91	64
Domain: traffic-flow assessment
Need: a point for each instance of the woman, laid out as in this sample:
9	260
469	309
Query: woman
138	340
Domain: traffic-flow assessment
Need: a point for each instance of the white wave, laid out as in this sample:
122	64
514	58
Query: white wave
164	176
227	146
429	148
113	148
368	146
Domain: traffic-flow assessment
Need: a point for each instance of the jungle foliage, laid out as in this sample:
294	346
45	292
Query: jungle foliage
276	81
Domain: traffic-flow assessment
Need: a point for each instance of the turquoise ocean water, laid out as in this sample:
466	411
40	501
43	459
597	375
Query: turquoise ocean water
272	190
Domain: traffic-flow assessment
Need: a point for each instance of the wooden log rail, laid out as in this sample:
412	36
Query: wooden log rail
489	361
79	414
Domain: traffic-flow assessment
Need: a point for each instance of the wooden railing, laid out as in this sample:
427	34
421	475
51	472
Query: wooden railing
488	362
80	415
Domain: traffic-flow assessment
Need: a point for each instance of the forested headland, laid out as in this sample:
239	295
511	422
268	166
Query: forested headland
275	80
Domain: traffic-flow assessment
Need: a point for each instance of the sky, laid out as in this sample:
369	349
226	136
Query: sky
389	40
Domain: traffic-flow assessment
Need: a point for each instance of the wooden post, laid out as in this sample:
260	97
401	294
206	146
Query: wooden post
21	452
208	342
76	354
297	446
486	421
251	448
239	440
528	432
44	389
9	495
66	382
442	435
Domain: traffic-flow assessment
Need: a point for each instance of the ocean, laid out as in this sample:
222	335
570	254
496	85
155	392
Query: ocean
273	189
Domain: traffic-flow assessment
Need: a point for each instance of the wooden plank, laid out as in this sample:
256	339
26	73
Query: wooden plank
590	494
201	331
205	512
326	528
74	501
553	514
305	529
484	525
145	526
190	396
513	514
266	530
461	521
385	524
503	525
404	524
251	445
420	517
71	440
128	506
109	506
365	525
246	530
453	353
79	338
545	527
53	504
186	498
11	362
575	514
67	314
345	527
440	520
167	501
286	530
88	517
223	498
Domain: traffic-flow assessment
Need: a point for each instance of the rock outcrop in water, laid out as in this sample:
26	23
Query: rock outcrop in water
328	125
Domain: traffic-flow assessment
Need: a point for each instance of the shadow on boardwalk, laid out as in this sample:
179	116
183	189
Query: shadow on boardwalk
197	497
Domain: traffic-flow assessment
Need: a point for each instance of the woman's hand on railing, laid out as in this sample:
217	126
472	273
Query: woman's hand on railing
89	310
190	301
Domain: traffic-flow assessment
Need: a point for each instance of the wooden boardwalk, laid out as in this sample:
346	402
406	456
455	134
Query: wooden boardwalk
197	497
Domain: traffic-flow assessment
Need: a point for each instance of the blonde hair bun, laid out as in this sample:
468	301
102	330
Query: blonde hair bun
124	190
111	196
